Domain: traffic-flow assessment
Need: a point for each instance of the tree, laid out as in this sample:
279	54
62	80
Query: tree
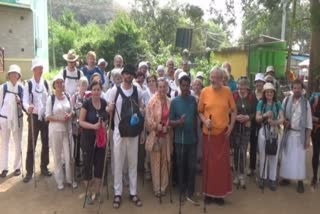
314	68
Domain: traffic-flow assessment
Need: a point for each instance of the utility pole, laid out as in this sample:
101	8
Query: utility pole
284	19
52	38
292	25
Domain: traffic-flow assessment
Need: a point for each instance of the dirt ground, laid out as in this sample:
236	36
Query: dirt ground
17	197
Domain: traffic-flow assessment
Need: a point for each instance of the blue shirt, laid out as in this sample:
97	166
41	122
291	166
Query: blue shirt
232	85
184	106
275	108
88	73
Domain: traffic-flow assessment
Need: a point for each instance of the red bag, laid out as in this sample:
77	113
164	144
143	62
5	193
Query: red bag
101	137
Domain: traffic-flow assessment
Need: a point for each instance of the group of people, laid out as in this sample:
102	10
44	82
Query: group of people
165	120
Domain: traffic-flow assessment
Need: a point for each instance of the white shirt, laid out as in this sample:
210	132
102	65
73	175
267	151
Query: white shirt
296	116
71	85
118	106
59	109
40	94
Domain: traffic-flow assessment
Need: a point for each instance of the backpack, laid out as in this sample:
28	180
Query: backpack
30	88
20	94
314	103
73	78
53	98
131	120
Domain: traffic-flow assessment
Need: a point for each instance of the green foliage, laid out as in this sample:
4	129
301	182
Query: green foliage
202	64
121	36
50	75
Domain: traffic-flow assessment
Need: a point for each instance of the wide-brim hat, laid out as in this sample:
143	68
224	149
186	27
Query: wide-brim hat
259	77
268	86
14	69
199	74
129	69
71	56
143	63
57	77
270	68
37	62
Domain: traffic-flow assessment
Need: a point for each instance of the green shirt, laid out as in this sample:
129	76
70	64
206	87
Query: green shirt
275	108
184	106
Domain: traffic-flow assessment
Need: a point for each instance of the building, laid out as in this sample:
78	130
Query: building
255	56
24	34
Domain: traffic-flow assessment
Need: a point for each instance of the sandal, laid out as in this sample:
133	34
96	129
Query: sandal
136	200
116	201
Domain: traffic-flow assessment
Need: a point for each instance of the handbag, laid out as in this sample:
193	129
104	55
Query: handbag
271	146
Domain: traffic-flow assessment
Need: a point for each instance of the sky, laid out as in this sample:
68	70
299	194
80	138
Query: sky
204	4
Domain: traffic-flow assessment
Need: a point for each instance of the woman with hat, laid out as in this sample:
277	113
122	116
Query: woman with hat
11	122
70	73
258	82
59	113
270	115
241	132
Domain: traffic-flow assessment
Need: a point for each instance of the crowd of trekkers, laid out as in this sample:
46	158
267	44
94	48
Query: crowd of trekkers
162	121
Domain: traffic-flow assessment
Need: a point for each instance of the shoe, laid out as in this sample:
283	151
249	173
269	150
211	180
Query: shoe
314	182
284	182
300	187
243	183
251	173
236	181
261	183
4	173
89	200
46	172
97	197
219	201
60	186
273	185
74	185
17	172
27	178
193	201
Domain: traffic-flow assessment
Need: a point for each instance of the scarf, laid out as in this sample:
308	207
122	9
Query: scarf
303	116
40	94
12	110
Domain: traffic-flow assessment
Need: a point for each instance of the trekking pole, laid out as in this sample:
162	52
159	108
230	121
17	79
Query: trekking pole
33	148
105	169
88	182
206	188
72	161
239	157
182	171
18	108
169	177
160	198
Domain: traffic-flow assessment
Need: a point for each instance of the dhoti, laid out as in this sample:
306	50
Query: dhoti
216	179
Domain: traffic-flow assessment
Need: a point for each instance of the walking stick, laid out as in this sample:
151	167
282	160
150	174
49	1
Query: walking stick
72	161
105	169
169	177
33	148
239	156
19	108
160	198
88	182
182	171
206	188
